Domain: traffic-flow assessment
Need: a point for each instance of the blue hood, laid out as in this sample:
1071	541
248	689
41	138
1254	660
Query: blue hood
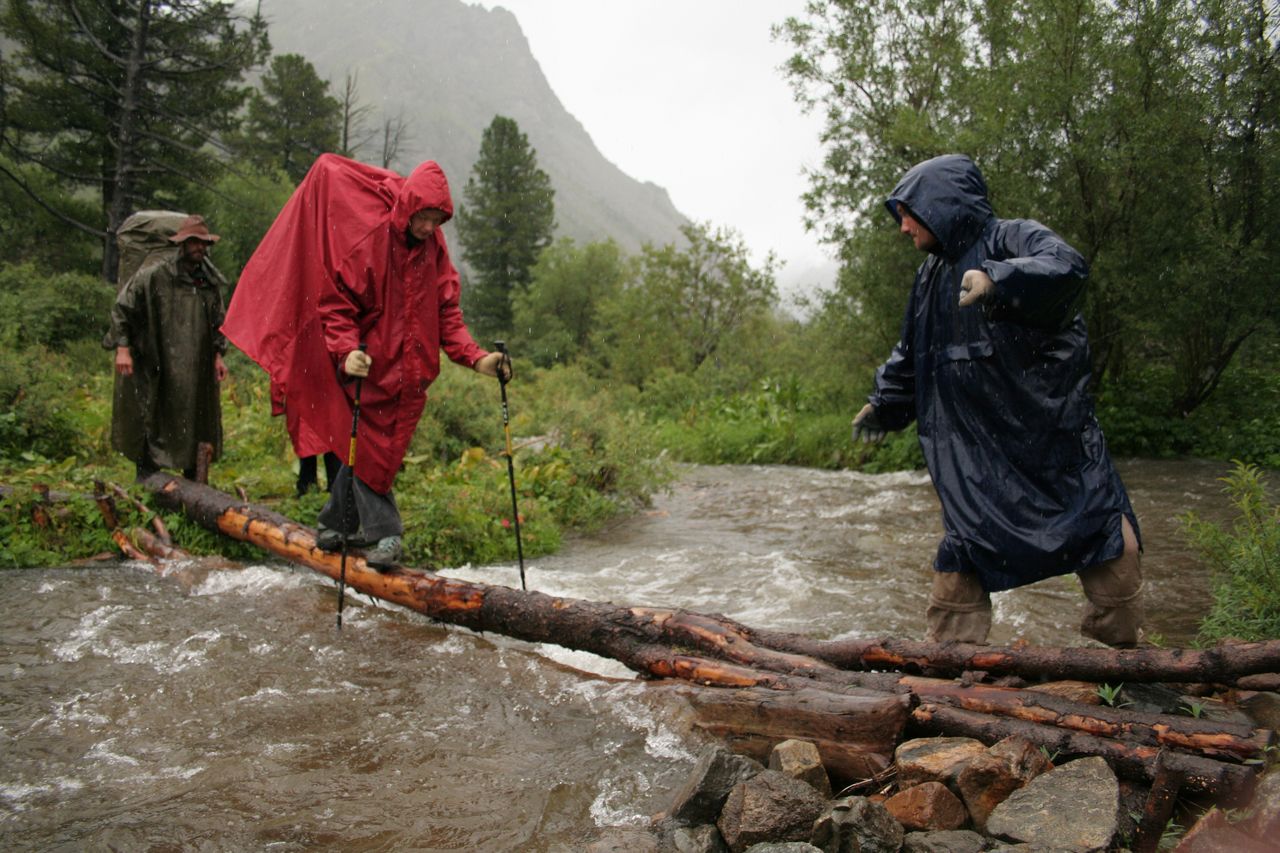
949	197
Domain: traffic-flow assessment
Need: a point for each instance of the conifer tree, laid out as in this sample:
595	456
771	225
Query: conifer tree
291	120
120	98
504	222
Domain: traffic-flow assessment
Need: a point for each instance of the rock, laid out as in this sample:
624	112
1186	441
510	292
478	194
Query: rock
1263	709
703	794
1074	806
934	759
927	806
1214	710
857	825
1213	833
624	840
988	779
695	839
800	759
770	806
1150	699
1264	822
953	841
783	847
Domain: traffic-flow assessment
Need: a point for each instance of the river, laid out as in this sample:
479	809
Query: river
213	709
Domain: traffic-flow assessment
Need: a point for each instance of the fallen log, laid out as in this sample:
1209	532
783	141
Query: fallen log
663	644
1231	784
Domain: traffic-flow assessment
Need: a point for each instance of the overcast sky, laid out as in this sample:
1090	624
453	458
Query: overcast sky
687	94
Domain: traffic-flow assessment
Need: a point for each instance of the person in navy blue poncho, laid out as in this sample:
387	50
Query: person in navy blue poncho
993	366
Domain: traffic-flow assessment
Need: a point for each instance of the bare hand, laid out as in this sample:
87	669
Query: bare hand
492	363
357	364
219	367
124	361
975	287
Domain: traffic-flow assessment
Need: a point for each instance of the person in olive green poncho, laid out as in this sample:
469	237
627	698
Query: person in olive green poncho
168	357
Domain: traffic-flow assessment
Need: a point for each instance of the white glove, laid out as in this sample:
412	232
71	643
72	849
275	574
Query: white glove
357	364
975	287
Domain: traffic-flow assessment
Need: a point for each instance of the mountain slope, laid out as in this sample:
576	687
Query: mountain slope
451	67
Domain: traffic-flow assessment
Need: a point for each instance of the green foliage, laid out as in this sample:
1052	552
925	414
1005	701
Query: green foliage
1149	140
1110	695
51	310
554	319
121	100
1244	559
291	121
36	532
31	234
683	305
240	206
48	410
504	222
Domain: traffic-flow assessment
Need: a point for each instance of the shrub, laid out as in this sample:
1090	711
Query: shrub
1245	561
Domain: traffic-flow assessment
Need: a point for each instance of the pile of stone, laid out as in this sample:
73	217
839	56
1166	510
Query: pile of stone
950	795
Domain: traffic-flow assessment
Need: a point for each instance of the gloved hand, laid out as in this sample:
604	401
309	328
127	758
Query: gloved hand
867	427
975	287
357	364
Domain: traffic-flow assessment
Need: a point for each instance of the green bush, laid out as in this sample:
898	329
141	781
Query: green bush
1245	560
52	310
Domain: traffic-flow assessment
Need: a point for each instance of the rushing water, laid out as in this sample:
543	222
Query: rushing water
221	710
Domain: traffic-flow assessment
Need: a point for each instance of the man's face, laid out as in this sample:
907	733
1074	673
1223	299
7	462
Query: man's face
195	250
922	238
425	222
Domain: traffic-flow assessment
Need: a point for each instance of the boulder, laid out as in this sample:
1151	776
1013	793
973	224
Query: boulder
934	759
1214	833
770	806
703	794
1264	820
1075	806
951	841
1263	709
783	847
695	839
989	778
800	759
928	806
857	825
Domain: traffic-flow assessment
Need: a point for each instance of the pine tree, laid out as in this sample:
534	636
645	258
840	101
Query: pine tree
292	120
505	221
120	98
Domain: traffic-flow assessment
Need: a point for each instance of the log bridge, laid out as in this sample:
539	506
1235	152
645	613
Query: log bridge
855	699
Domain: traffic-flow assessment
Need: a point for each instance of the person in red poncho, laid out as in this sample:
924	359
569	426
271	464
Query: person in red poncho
356	258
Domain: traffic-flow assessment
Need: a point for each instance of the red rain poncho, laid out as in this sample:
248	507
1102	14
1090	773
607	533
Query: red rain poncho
335	270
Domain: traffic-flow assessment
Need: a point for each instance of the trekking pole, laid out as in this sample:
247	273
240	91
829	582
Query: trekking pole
349	498
511	468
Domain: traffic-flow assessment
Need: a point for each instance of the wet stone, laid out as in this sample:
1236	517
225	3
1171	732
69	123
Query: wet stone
928	806
1073	807
934	759
769	806
988	779
800	759
696	839
950	841
703	794
857	825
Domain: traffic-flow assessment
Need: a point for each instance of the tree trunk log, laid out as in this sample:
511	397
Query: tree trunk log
784	685
1231	784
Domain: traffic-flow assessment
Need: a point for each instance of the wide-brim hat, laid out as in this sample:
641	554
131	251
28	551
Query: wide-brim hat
194	226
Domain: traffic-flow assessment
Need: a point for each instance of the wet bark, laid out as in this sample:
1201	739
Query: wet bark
756	687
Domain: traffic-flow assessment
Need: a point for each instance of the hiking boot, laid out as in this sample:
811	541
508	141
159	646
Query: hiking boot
328	540
385	554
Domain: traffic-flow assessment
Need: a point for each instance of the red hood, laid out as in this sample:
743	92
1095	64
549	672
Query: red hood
426	187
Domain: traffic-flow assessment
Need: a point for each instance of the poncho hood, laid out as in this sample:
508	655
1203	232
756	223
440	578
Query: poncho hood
949	197
426	187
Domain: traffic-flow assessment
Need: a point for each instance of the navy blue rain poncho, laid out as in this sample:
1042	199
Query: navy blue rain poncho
999	392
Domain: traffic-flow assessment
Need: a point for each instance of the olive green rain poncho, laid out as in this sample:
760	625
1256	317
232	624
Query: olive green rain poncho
170	321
